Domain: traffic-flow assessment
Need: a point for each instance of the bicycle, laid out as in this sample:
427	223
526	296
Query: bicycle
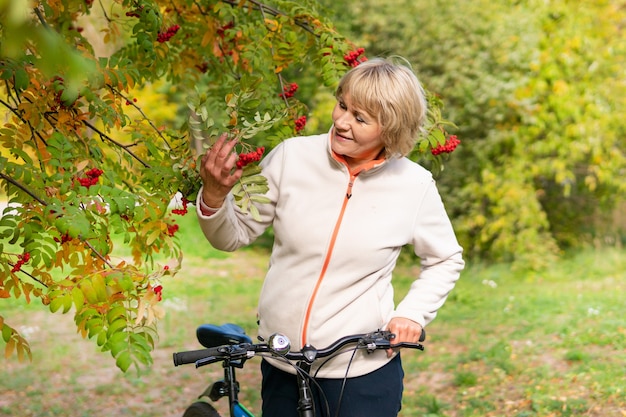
230	345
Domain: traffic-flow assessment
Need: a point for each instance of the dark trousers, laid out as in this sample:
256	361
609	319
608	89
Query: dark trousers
377	394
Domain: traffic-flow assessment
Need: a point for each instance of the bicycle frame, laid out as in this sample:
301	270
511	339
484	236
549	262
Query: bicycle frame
229	387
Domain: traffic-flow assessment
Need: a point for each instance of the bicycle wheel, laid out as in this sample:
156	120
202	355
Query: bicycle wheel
201	409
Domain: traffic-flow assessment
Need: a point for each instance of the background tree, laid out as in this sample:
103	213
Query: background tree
537	92
97	142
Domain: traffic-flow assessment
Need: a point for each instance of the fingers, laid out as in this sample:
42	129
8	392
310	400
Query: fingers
218	170
220	158
220	152
405	330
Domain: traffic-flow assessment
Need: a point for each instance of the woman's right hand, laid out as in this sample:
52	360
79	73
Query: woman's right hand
219	172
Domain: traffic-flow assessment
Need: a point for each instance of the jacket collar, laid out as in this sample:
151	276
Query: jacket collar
340	159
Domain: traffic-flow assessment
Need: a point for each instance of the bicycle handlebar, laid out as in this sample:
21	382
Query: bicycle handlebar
380	339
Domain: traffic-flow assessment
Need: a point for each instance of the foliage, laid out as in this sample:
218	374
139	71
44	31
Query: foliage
536	90
94	152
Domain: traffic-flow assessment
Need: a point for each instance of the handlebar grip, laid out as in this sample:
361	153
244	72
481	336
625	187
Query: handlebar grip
192	356
423	335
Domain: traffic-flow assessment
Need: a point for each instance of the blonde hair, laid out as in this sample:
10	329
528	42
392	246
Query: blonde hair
391	92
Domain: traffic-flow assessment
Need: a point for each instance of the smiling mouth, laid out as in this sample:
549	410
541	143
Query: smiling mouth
342	137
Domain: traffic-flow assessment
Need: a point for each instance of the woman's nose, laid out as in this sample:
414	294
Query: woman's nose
343	121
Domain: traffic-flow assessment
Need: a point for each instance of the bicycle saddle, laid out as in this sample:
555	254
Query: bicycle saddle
211	335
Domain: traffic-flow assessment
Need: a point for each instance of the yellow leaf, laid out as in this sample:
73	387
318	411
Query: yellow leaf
141	310
100	287
9	348
90	293
152	236
129	80
272	25
208	37
82	165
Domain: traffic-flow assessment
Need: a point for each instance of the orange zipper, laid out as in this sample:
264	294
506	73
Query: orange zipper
326	260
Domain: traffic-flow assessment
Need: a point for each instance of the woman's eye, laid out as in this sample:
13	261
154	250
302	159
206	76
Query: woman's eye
359	119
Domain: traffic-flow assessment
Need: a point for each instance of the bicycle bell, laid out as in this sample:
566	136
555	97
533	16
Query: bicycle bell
279	343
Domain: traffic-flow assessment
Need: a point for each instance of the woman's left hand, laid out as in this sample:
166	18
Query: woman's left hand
406	330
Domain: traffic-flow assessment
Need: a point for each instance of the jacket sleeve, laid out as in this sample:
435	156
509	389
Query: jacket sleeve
436	245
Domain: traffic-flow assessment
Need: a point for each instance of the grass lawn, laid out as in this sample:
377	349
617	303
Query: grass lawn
505	344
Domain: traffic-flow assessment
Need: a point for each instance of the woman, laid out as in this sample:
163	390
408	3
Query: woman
343	204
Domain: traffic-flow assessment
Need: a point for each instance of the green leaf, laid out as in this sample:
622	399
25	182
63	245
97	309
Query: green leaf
126	283
256	189
94	326
7	331
436	138
258	179
102	338
124	360
78	298
56	304
254	212
117	343
21	79
67	302
261	199
116	326
115	313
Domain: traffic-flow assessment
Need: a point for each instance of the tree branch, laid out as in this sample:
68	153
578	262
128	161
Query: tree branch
274	12
98	254
41	18
23	188
116	143
131	103
30	276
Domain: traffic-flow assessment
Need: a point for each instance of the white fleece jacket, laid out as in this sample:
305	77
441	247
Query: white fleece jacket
337	238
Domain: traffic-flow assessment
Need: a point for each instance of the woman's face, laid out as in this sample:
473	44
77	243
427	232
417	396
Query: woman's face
356	135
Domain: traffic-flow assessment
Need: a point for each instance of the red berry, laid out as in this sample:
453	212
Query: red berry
250	157
167	35
172	229
447	147
300	123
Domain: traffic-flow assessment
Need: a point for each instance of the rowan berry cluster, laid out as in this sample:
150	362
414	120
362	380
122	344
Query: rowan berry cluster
65	238
172	229
58	85
21	260
167	35
222	29
203	67
250	157
90	178
300	123
158	290
354	58
289	90
447	147
181	211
